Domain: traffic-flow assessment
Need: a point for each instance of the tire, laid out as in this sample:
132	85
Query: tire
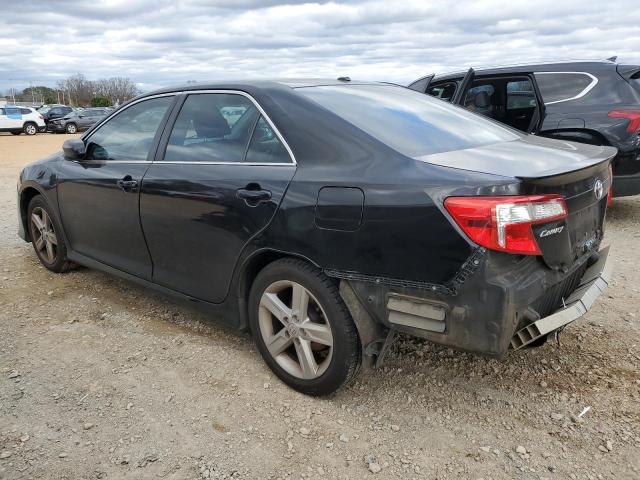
317	353
46	236
71	128
30	128
16	133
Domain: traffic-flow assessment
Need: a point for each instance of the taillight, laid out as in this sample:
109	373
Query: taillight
632	115
504	223
40	117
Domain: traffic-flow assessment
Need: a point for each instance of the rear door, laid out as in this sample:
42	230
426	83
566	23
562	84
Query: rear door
13	117
216	183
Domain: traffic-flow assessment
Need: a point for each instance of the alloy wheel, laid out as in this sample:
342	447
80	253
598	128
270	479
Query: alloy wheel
30	129
71	128
45	239
295	329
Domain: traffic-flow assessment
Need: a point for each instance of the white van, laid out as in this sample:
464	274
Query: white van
17	120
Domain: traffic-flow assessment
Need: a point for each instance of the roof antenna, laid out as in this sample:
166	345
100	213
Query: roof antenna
344	79
612	59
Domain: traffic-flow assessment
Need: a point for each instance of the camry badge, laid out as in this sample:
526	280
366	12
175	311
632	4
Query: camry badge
598	189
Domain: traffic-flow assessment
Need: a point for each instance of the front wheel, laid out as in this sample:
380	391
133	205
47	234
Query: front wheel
16	133
30	128
46	236
302	327
71	128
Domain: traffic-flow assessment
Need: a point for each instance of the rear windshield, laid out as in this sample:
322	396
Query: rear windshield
410	122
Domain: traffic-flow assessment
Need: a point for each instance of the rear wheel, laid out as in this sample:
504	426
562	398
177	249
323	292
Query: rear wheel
71	128
302	327
46	236
30	128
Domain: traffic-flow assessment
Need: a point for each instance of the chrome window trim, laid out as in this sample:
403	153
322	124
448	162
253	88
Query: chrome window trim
197	92
587	89
262	112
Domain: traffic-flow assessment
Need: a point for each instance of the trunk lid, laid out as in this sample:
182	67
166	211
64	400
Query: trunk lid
578	172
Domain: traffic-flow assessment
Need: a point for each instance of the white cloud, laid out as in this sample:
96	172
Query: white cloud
160	42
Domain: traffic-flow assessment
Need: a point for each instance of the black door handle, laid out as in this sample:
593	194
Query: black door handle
253	196
127	184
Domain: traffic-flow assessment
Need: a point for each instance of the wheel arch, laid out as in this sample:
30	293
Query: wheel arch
249	270
26	195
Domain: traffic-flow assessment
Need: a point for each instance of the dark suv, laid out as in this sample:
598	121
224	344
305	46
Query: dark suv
78	121
51	112
595	102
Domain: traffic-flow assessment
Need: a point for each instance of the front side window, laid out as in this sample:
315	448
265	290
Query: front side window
212	127
129	135
410	122
444	91
562	86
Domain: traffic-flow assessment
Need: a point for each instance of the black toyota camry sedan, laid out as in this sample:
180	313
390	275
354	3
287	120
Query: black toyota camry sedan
326	216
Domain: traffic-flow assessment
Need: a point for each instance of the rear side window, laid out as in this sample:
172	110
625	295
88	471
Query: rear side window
562	86
410	122
129	135
520	94
212	127
1	111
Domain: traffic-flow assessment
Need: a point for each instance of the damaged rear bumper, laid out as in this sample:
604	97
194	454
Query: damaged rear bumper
594	281
506	302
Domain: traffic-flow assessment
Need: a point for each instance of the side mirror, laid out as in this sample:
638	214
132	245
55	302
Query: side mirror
74	149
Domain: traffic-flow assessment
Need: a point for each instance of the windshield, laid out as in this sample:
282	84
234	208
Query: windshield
412	123
44	109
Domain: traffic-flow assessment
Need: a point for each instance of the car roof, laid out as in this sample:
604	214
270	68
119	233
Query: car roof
259	84
564	66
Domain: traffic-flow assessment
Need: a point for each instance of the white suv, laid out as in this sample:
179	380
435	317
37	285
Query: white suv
17	120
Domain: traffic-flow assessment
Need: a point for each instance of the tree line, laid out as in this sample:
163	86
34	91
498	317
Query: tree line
78	91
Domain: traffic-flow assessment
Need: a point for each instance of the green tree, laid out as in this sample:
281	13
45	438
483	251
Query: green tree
100	102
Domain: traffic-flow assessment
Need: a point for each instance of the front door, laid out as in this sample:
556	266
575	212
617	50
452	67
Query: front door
216	184
99	195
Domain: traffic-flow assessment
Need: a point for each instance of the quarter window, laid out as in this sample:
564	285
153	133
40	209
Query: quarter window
212	127
562	86
25	111
129	135
265	146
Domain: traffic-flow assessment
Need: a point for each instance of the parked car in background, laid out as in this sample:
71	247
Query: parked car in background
77	121
325	216
595	102
19	120
51	112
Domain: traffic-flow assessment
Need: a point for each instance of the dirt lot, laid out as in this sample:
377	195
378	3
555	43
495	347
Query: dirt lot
102	379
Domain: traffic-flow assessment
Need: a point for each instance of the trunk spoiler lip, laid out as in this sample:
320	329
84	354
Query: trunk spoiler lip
581	172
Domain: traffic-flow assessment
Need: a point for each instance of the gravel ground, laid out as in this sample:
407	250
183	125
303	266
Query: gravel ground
100	378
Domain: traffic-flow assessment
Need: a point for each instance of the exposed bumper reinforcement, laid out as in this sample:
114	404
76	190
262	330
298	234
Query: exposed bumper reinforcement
594	281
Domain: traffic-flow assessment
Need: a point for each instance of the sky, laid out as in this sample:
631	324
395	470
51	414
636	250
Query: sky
157	43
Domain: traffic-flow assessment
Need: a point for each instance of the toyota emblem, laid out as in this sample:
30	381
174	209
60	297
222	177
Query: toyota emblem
598	189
